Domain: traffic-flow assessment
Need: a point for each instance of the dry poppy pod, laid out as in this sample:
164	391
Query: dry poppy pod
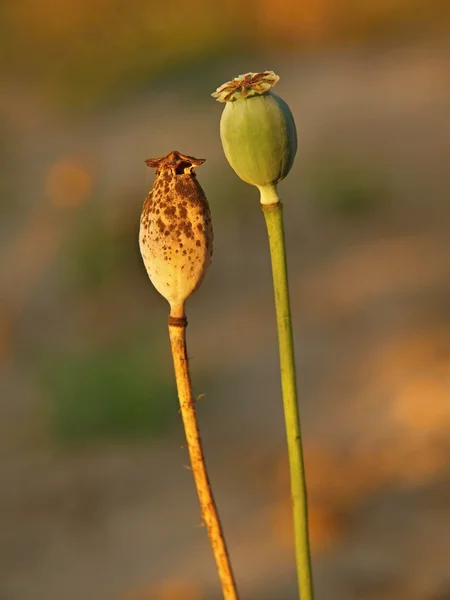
176	237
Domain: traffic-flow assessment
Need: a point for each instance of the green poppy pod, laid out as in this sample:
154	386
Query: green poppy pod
257	130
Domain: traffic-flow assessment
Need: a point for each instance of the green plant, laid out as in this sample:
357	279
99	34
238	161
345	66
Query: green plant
259	139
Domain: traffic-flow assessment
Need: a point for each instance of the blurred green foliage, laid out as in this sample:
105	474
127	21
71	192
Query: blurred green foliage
347	190
101	247
8	171
108	394
81	52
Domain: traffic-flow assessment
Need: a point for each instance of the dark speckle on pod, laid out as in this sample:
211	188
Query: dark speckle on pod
177	208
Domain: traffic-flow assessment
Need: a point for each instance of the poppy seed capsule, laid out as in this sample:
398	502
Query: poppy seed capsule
257	129
176	237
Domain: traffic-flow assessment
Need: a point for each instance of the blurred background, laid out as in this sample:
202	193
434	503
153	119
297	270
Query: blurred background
95	502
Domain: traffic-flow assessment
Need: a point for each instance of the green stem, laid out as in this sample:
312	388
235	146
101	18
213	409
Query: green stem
273	214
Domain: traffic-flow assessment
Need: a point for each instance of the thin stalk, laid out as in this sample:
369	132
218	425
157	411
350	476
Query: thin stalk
273	214
177	333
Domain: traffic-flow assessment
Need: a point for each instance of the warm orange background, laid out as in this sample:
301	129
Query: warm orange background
95	502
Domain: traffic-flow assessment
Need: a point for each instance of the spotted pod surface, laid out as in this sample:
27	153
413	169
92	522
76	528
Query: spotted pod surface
176	237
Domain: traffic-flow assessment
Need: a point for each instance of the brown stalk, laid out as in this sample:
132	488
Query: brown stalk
210	516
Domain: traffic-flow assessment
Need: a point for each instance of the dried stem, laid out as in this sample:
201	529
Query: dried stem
177	333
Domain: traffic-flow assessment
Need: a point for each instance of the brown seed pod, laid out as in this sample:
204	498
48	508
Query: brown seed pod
176	237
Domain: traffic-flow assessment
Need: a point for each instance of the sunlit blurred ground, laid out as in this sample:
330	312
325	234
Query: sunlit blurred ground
95	502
